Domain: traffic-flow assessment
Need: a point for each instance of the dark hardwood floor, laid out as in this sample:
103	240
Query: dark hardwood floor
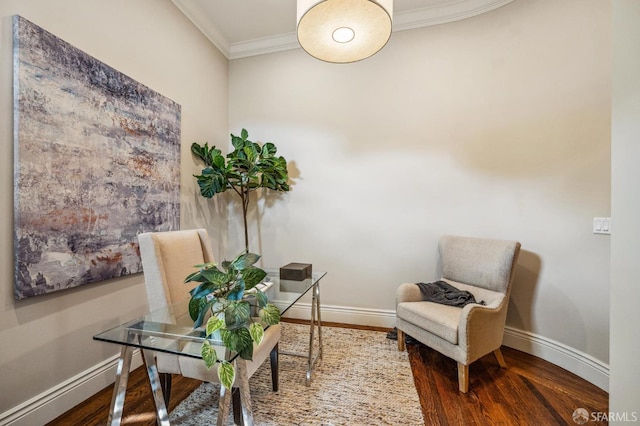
530	391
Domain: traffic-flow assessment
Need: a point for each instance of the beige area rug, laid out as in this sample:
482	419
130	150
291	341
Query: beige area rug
361	380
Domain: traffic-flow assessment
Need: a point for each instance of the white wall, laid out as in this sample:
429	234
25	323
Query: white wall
495	126
625	211
47	340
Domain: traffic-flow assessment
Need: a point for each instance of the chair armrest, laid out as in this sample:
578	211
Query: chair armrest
481	329
408	292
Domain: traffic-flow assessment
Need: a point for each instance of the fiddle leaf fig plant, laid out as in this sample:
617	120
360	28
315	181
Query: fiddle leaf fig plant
248	167
221	293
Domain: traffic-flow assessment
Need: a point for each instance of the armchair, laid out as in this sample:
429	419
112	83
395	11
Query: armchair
483	267
167	259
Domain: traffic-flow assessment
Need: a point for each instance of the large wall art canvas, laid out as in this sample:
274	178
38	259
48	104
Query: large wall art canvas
97	161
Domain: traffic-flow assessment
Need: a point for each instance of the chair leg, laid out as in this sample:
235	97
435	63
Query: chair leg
237	407
273	358
463	377
500	358
165	385
401	340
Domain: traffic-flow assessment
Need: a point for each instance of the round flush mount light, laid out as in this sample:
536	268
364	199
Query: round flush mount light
343	35
343	31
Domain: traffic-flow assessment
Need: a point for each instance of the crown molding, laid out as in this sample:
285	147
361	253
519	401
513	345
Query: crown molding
444	13
194	13
264	45
451	11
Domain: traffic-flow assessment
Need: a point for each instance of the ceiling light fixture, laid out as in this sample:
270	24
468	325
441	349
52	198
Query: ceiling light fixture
343	31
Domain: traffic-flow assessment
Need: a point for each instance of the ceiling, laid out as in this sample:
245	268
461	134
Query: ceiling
241	28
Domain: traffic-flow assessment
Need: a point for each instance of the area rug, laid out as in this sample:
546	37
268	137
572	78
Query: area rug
362	380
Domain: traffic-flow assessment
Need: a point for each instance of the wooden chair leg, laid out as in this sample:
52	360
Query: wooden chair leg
400	340
273	358
463	377
165	385
500	358
236	406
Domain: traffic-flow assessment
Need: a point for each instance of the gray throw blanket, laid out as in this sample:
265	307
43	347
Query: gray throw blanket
446	294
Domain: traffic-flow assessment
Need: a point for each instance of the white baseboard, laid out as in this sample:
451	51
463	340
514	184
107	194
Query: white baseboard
48	405
573	360
343	314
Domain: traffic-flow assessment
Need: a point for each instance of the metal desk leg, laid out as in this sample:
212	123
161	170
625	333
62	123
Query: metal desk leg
154	379
312	328
315	317
120	386
317	289
245	394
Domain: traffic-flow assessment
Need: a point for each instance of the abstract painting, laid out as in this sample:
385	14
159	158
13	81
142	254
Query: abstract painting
96	162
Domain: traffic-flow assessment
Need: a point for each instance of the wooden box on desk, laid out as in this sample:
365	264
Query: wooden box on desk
295	271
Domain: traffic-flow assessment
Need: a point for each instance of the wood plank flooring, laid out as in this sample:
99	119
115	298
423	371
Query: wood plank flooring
530	391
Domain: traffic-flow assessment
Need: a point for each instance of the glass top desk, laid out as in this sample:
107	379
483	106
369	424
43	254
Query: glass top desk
170	330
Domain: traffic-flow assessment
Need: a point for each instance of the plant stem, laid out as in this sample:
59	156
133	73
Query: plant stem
245	204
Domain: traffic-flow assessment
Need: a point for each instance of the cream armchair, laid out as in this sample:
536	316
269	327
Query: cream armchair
481	266
167	259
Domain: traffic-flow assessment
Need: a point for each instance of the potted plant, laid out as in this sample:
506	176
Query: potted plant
221	293
248	167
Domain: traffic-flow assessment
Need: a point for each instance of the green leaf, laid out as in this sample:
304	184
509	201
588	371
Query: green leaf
198	150
232	273
211	182
251	153
204	309
257	332
269	178
261	298
214	324
214	276
252	276
240	163
247	351
268	149
195	306
244	134
226	374
204	153
208	265
237	314
238	340
218	160
270	314
238	144
236	290
202	290
209	354
195	276
245	260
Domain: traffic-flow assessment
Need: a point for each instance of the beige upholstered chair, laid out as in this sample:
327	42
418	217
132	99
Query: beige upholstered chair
483	267
167	259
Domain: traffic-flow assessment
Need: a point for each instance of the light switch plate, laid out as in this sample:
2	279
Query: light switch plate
602	225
